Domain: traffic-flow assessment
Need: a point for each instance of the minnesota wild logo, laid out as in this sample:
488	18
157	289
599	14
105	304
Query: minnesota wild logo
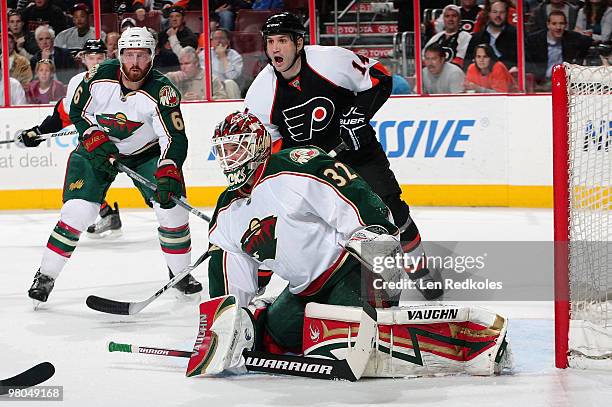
259	241
118	125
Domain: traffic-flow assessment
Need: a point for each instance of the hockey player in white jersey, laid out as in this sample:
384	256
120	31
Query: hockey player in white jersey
325	95
93	53
123	110
299	213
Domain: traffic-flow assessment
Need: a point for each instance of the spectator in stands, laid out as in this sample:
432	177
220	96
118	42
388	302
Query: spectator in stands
19	65
595	20
190	80
226	62
75	38
483	15
556	44
163	61
113	6
440	76
226	10
141	7
487	74
454	40
400	85
111	42
469	13
44	89
26	43
42	12
126	23
64	63
500	35
16	92
541	13
177	32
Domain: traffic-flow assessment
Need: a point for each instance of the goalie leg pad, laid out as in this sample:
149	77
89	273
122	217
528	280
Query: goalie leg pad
413	341
225	330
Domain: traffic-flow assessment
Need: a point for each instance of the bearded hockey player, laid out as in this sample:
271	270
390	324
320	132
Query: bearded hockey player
126	111
308	217
92	54
323	96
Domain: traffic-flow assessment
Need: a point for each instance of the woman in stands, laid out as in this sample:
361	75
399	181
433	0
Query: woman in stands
595	20
486	74
44	89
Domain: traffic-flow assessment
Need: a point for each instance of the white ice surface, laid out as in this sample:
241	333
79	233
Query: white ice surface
73	337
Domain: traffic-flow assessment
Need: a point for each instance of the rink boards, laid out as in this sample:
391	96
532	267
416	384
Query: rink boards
459	151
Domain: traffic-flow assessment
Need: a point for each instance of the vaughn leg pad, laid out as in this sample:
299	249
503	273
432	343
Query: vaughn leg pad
413	341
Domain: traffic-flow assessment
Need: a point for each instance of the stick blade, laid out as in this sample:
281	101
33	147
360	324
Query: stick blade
108	306
31	377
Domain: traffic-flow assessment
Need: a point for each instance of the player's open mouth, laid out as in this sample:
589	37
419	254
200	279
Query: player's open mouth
278	60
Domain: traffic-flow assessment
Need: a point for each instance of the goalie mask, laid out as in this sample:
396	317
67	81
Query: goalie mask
241	143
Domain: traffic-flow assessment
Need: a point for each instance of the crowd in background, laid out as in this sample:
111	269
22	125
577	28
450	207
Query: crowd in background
469	45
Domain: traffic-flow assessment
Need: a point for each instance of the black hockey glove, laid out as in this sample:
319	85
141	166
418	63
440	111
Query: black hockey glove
355	129
30	137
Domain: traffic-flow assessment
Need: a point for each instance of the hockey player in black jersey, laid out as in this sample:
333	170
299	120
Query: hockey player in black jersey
325	96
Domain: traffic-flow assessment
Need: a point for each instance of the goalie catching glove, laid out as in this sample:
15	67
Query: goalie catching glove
372	246
100	150
355	129
169	183
30	137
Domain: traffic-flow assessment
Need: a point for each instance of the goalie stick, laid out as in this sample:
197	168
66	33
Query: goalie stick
130	308
31	377
350	369
151	185
45	136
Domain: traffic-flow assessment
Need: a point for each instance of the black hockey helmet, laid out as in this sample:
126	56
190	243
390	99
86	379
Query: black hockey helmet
94	47
283	23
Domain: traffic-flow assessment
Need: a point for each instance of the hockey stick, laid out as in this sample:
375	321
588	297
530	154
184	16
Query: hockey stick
350	369
136	176
46	136
31	377
130	308
340	147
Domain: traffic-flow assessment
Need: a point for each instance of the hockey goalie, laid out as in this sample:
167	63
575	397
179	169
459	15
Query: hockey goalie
314	222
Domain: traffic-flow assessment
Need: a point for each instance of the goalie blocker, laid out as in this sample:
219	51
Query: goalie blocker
409	341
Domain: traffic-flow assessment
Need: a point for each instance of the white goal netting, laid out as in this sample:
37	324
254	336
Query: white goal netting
590	212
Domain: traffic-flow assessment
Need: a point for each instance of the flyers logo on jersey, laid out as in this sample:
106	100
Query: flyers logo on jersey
259	241
309	118
118	125
168	96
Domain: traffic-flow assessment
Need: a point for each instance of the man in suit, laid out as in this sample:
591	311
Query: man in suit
554	45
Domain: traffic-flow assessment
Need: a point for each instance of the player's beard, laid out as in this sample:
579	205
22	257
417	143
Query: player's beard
135	74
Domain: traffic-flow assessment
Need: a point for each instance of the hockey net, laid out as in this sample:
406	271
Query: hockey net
582	155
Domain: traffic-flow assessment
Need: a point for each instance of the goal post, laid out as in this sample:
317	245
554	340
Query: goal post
582	178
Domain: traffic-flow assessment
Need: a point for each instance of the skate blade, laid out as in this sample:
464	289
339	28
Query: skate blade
181	296
37	304
108	234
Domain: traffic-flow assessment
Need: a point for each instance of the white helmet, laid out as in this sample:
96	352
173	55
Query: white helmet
137	37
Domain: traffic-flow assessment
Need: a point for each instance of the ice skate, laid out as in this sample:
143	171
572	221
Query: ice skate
108	224
41	288
188	285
